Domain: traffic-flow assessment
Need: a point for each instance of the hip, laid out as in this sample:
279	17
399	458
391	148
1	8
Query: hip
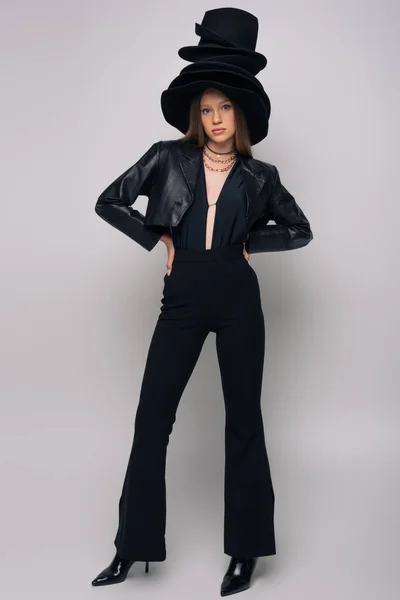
221	273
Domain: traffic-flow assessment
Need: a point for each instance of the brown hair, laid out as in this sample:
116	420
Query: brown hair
196	135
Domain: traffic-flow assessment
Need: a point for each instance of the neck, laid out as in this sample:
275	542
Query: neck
227	146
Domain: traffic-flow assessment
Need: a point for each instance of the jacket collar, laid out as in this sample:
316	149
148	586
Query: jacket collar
253	175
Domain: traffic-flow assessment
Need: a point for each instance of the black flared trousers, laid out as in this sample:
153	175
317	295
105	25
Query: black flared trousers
208	290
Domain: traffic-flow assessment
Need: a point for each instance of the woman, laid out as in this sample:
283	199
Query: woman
209	202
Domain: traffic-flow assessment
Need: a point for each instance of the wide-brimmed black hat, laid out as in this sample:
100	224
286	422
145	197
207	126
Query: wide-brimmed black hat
176	102
227	61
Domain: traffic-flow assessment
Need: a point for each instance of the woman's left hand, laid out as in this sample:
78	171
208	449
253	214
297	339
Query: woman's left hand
246	255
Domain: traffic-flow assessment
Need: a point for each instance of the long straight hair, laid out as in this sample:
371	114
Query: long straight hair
196	134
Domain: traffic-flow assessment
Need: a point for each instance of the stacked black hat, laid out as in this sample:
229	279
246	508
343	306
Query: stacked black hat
225	58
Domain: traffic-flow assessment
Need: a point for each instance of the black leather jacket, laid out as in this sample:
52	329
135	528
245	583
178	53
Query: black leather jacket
167	174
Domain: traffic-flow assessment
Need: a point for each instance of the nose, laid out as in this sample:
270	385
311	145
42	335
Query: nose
216	118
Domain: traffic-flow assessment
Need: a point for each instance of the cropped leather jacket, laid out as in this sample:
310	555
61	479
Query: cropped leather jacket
167	175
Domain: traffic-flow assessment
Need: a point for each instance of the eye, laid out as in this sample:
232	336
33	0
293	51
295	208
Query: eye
205	109
226	105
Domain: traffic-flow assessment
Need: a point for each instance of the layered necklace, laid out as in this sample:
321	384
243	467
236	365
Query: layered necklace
229	161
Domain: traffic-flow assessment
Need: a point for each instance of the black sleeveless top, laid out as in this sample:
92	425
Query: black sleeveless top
230	214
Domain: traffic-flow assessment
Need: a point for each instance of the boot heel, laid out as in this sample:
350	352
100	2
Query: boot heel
147	567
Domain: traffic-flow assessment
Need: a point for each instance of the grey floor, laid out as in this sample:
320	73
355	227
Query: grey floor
337	519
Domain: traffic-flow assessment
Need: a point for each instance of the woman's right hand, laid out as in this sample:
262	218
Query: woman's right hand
167	239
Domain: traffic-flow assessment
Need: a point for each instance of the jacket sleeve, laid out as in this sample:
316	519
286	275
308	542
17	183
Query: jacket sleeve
114	203
292	229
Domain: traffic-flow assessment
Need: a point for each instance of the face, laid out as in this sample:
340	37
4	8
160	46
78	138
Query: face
217	112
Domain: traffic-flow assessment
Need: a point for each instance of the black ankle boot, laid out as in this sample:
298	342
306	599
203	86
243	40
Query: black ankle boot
238	575
116	571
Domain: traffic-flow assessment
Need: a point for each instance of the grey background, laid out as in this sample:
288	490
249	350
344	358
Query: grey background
80	104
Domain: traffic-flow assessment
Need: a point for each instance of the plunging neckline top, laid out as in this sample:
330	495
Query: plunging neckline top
204	182
229	225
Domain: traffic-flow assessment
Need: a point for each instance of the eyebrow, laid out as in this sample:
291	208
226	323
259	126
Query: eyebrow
222	102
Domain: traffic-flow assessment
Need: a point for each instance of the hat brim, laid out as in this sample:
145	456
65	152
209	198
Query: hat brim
176	101
211	36
236	60
196	53
216	65
225	77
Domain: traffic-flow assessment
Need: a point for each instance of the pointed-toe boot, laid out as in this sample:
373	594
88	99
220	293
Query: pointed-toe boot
238	575
116	571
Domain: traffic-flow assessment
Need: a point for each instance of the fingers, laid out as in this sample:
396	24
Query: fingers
170	259
246	255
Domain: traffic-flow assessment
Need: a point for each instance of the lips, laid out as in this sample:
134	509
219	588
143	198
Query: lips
218	130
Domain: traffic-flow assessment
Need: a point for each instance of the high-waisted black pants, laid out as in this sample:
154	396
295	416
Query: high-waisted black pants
208	290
